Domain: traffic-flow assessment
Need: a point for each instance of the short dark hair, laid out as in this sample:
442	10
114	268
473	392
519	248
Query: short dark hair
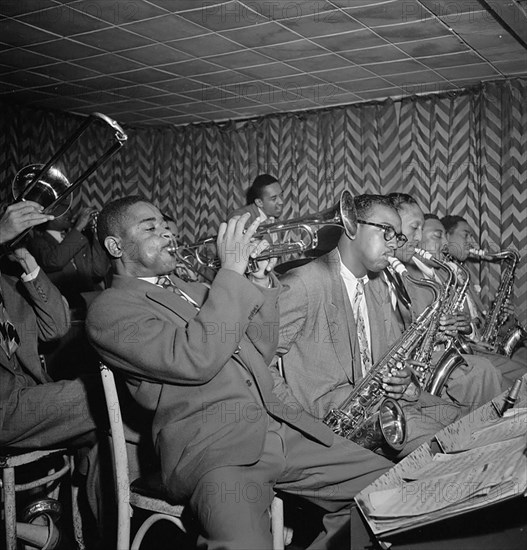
112	215
451	222
255	191
398	200
364	203
430	216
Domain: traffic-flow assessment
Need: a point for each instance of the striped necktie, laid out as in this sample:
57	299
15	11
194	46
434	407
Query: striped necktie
9	339
364	347
166	282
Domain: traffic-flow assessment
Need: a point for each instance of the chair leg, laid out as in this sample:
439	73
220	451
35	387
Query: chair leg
8	487
277	523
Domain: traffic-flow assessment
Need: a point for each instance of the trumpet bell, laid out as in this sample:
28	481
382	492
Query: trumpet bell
46	190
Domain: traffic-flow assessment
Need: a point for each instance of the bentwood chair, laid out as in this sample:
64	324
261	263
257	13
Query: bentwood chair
38	527
147	493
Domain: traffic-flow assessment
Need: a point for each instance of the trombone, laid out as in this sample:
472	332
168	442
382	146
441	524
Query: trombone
343	214
48	186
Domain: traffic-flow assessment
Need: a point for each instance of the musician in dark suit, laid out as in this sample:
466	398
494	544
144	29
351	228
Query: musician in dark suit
263	199
35	411
198	359
71	256
319	330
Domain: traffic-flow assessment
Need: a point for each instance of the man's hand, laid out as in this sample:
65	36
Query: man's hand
25	259
261	276
21	216
235	244
395	384
452	324
84	218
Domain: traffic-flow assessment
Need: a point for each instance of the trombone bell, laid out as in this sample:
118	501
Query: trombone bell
46	190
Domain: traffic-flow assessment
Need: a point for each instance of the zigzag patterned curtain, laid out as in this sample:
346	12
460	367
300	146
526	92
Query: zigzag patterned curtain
458	153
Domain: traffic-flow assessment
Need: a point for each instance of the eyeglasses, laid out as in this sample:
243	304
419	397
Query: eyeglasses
389	232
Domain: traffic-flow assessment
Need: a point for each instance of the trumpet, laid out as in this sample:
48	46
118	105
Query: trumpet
48	186
343	214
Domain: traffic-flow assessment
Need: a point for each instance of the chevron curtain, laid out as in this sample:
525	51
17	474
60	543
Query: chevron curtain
459	153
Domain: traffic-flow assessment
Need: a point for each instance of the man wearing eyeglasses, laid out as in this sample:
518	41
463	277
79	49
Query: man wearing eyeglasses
336	322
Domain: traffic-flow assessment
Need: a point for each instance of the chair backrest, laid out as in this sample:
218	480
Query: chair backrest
119	456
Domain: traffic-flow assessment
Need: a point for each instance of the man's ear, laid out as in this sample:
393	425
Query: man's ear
114	246
259	203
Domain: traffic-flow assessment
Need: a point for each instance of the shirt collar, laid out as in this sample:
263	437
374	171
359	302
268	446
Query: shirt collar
152	280
57	235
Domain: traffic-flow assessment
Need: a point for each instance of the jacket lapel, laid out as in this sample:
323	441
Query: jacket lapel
339	315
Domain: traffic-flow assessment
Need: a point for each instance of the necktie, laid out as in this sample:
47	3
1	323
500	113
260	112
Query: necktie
9	339
168	284
364	346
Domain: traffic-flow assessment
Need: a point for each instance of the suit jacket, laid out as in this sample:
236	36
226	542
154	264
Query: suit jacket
74	265
38	312
203	374
318	343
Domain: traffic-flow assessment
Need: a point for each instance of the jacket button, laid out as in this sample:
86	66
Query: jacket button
249	383
237	350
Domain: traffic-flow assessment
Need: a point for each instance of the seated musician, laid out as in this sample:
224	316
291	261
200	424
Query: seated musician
476	381
336	323
198	359
37	412
461	241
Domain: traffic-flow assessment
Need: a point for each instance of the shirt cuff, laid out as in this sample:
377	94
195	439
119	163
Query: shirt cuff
27	277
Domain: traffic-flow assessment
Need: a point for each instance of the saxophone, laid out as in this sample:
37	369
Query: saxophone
452	298
366	416
496	315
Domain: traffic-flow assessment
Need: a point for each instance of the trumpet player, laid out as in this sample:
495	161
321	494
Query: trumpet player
336	322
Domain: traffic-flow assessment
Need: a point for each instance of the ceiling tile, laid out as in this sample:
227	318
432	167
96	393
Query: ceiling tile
292	50
165	27
179	85
139	91
25	96
208	93
160	112
450	60
326	61
118	13
375	54
119	107
100	96
15	33
449	9
385	92
395	67
63	21
155	54
350	72
229	15
65	71
433	46
413	31
103	61
181	5
22	58
269	70
222	78
511	67
294	81
261	35
320	24
350	41
233	102
170	99
388	13
64	89
468	71
204	45
191	68
341	98
294	105
113	39
105	82
27	79
65	49
373	83
145	75
244	58
11	8
59	103
411	79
